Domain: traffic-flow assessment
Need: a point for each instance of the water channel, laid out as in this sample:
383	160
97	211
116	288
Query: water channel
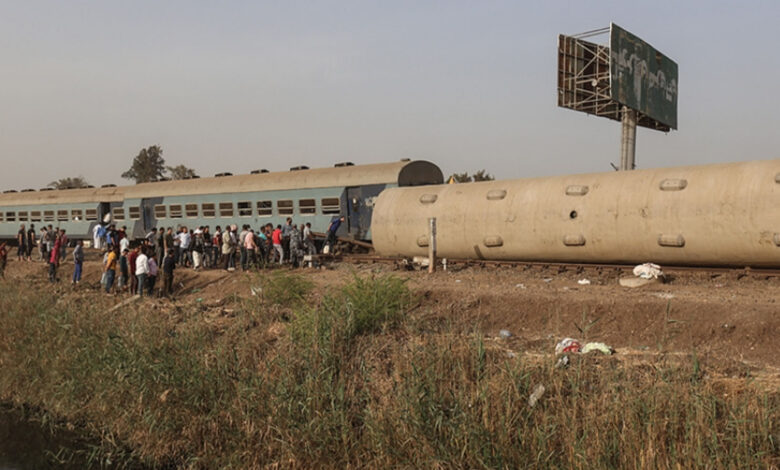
27	444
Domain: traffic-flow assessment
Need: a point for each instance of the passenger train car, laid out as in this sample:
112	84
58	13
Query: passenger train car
306	195
709	215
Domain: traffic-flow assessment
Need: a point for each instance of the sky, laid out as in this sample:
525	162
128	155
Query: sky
241	85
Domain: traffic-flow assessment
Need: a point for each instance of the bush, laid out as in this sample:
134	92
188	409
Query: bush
285	289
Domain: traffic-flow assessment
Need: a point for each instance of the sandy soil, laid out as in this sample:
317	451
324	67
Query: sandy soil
732	323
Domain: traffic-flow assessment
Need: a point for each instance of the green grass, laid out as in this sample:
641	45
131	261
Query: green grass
348	383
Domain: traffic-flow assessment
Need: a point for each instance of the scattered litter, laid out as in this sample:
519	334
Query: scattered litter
504	334
536	395
648	271
567	345
256	290
583	282
457	280
547	279
563	361
597	347
665	295
520	286
511	354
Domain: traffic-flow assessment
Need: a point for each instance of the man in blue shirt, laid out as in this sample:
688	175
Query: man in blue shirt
335	223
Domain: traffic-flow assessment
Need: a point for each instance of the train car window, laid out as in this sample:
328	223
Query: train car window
134	212
265	208
48	216
118	213
331	205
10	216
208	209
22	216
175	211
76	215
1	217
307	206
245	209
91	214
191	210
160	211
226	209
35	216
284	207
62	216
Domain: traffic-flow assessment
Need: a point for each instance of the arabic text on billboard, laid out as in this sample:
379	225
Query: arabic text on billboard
642	78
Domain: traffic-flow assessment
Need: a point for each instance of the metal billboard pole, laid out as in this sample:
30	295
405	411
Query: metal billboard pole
628	140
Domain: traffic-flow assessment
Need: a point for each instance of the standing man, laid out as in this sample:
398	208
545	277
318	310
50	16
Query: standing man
30	241
169	264
54	260
3	260
308	240
21	239
110	268
160	243
169	240
78	261
286	234
131	261
276	237
141	271
332	229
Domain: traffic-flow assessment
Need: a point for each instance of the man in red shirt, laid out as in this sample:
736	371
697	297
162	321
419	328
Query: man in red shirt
276	236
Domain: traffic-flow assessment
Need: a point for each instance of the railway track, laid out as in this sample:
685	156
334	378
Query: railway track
560	267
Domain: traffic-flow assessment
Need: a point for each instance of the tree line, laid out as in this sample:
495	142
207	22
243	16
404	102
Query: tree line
149	165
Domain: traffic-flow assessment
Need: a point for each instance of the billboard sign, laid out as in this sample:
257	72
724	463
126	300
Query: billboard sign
642	78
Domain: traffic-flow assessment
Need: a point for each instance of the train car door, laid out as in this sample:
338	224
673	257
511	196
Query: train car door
147	212
103	210
360	207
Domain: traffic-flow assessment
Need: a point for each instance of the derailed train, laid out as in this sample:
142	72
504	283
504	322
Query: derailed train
710	215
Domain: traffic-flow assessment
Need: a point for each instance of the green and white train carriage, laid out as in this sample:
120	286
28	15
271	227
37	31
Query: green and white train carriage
306	195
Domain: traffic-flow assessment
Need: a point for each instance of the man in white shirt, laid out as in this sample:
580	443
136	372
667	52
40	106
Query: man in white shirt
124	244
141	271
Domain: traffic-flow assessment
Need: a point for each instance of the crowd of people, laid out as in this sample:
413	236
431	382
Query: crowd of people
135	269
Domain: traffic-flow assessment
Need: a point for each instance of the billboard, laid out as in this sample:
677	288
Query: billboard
642	78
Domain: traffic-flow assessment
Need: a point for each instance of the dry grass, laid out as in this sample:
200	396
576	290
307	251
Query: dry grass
359	381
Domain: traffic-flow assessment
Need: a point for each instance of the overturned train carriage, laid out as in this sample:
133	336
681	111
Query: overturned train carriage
306	195
711	215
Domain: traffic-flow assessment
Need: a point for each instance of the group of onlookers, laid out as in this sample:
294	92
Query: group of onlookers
136	269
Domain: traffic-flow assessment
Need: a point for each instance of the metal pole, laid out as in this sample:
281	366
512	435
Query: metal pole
432	244
628	140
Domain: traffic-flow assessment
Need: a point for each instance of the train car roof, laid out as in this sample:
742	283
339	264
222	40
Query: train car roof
401	173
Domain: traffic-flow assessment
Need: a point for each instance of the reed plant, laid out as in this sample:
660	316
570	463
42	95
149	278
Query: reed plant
347	384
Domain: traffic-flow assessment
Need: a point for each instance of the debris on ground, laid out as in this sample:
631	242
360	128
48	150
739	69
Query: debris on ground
504	334
648	271
584	282
601	347
567	345
536	395
563	361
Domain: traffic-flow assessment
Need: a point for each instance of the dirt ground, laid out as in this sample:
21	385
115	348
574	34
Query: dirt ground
730	322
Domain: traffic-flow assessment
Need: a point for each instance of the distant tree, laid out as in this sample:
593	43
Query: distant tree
464	177
461	177
148	165
69	183
482	175
180	172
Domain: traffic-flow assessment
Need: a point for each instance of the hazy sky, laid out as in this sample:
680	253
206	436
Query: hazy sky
235	86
